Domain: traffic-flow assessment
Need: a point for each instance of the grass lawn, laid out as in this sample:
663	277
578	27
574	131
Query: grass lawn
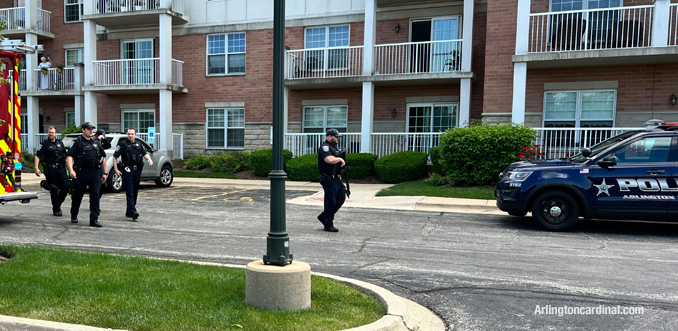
424	188
138	293
202	174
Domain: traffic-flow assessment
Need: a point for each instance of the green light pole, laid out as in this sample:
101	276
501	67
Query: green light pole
278	241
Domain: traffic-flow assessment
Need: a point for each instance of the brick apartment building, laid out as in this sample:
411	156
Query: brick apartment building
391	74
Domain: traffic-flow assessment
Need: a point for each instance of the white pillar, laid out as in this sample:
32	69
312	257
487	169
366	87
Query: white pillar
519	92
79	99
369	36
523	27
660	23
367	117
33	125
465	102
90	108
467	44
31	16
90	51
31	64
286	98
165	121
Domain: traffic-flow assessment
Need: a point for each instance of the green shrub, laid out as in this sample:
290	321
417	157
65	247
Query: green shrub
435	160
362	164
437	180
401	167
304	168
198	162
477	154
262	161
71	129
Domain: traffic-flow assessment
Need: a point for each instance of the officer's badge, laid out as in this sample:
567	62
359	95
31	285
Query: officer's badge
326	148
58	145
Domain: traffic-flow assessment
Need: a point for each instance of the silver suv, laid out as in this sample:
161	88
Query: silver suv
162	170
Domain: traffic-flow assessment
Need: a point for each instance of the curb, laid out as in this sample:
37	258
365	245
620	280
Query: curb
398	313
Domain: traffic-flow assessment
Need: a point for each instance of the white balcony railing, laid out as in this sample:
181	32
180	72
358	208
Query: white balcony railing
307	143
24	145
558	143
22	79
388	143
673	25
53	79
325	62
16	19
134	72
124	6
418	57
591	29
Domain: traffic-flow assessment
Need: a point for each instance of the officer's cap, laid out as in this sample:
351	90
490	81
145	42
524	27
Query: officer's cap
88	125
100	132
333	133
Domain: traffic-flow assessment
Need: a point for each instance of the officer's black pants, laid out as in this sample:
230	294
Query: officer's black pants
59	186
91	180
335	194
131	181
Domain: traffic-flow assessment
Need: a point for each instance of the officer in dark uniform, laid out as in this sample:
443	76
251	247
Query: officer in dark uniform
100	135
330	164
87	166
133	154
53	154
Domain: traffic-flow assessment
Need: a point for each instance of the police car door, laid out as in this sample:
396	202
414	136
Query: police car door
640	186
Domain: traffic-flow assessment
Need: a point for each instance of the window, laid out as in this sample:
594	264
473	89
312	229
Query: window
600	23
323	37
72	10
579	109
226	54
138	119
318	119
650	149
24	124
70	119
73	56
431	117
226	128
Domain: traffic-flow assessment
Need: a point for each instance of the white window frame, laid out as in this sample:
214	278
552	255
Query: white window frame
584	5
24	124
80	52
81	9
432	105
225	128
577	118
137	127
225	54
325	127
326	53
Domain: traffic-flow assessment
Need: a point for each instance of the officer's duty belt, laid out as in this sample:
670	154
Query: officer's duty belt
330	176
55	165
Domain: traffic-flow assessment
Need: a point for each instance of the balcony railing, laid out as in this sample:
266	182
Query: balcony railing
388	143
16	19
325	62
418	57
134	72
591	29
673	25
307	143
24	145
53	79
558	143
124	6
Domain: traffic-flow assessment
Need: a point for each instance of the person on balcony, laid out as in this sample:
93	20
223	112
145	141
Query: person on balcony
44	69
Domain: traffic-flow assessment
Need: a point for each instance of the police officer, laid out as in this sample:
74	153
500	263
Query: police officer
87	166
330	164
133	154
100	135
53	154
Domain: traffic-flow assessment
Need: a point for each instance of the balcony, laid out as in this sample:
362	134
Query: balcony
52	84
432	61
138	76
609	36
125	13
16	23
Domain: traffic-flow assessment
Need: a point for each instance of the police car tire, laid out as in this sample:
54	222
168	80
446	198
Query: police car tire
112	176
171	178
564	202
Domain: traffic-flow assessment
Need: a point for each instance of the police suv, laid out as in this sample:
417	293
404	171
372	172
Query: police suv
628	177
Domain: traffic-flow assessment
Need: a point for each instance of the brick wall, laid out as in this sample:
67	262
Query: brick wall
64	33
501	38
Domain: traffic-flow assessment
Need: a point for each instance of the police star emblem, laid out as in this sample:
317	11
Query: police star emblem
326	148
603	188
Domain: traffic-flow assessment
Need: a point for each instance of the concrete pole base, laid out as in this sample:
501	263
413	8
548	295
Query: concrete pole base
273	287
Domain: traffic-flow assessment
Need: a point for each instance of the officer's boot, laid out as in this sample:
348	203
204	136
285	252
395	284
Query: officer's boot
94	223
329	227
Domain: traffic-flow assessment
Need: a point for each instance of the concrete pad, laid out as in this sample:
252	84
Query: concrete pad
11	323
458	201
273	287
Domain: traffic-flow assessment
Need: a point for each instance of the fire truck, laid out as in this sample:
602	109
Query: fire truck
11	52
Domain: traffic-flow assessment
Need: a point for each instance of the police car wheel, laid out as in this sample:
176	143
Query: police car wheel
166	177
114	182
555	211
